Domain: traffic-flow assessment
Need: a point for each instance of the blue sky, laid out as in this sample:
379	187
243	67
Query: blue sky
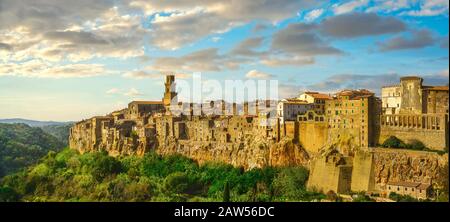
68	60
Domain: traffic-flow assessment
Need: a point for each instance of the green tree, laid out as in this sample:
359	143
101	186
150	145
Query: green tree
393	142
226	192
7	194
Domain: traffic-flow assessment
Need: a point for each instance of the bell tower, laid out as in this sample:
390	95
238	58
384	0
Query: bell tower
169	92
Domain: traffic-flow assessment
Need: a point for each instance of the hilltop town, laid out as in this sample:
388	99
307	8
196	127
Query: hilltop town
337	136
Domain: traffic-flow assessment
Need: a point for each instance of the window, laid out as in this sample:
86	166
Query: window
398	188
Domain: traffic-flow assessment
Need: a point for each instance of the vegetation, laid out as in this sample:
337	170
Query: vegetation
362	197
69	176
401	198
22	145
60	132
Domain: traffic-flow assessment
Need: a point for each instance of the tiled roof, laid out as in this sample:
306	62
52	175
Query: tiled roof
404	184
321	96
438	88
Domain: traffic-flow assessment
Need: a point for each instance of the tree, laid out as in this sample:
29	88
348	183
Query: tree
7	194
176	183
417	145
226	192
393	142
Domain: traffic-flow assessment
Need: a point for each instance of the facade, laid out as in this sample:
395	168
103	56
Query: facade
412	97
415	112
317	99
413	189
355	114
391	98
288	109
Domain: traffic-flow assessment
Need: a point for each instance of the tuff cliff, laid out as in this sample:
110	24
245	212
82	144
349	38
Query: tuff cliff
233	140
251	153
407	165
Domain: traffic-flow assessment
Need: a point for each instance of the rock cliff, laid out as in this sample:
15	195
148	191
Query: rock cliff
406	165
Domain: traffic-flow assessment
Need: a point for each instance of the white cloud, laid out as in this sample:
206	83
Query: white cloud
430	8
113	91
198	19
106	34
348	6
42	69
255	74
133	92
314	14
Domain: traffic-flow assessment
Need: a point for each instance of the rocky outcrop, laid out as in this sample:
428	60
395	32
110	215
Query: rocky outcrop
251	153
407	165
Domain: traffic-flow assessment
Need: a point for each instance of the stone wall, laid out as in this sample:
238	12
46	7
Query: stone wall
430	129
363	175
393	165
330	173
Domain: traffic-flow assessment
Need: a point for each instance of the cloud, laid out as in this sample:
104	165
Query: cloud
198	19
113	91
133	93
41	69
202	60
289	61
443	43
141	75
419	39
348	6
216	39
430	8
389	6
259	27
360	24
299	39
255	74
106	33
6	47
246	47
314	14
371	82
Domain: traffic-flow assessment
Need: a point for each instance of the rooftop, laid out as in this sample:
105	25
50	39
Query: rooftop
436	88
146	102
409	184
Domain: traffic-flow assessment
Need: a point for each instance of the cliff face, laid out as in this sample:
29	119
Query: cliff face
252	153
122	138
414	166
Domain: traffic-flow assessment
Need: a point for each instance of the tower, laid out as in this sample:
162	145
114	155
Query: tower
411	91
169	94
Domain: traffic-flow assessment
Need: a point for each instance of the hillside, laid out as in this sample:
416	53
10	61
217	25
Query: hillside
33	123
22	145
69	176
60	132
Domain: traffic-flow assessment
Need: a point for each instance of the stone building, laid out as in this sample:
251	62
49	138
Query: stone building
316	99
288	109
391	99
412	97
415	112
138	109
354	114
413	189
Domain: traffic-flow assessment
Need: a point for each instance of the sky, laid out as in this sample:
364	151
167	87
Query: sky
67	60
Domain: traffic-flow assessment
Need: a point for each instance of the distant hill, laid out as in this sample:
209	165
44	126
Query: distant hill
22	145
33	123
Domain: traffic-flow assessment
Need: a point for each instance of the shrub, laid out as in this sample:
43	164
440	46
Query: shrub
7	194
176	183
393	142
416	145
